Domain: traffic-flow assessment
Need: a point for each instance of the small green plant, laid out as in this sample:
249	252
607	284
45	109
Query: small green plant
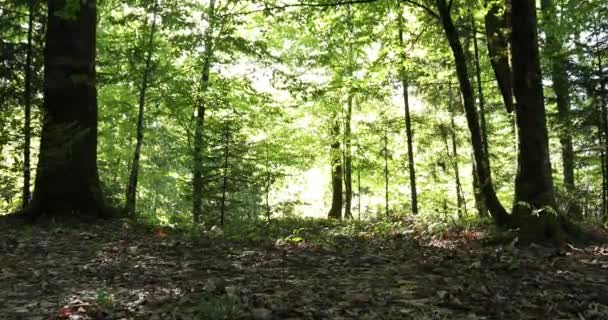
214	307
104	299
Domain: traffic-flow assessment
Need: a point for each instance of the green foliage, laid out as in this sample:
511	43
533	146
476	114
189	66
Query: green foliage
104	299
217	307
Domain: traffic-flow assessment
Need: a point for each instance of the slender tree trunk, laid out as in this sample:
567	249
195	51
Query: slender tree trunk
131	202
268	181
359	184
67	180
408	131
604	130
561	87
496	21
27	97
225	172
197	174
497	211
602	123
534	195
602	141
482	210
456	167
336	170
386	173
348	160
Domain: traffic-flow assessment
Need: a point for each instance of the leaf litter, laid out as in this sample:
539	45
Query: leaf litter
119	271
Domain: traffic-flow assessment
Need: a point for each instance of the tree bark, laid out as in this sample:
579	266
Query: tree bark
67	180
131	202
498	48
336	169
534	194
27	97
561	87
197	172
497	211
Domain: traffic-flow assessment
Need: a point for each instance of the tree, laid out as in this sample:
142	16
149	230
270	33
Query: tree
67	180
197	174
335	212
534	208
408	127
131	198
482	162
558	61
27	92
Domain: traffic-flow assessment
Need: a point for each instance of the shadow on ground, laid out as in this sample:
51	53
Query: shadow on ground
118	271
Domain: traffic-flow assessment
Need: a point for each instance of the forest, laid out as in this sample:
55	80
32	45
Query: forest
318	159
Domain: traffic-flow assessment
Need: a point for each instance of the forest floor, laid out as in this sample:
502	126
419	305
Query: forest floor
121	271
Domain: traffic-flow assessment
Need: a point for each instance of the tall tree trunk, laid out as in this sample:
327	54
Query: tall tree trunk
408	129
336	169
534	195
603	131
348	160
386	179
130	206
27	97
455	166
496	21
348	157
197	172
497	211
268	181
225	172
67	180
359	184
561	87
482	210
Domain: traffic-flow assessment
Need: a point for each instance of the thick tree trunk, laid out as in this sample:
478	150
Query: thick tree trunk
482	210
534	196
497	211
348	160
336	170
27	97
131	198
561	87
67	180
197	172
496	21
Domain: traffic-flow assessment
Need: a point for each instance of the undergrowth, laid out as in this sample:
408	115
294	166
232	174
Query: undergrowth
323	232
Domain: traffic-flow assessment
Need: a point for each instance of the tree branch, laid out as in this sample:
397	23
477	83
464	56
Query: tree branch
422	6
306	4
